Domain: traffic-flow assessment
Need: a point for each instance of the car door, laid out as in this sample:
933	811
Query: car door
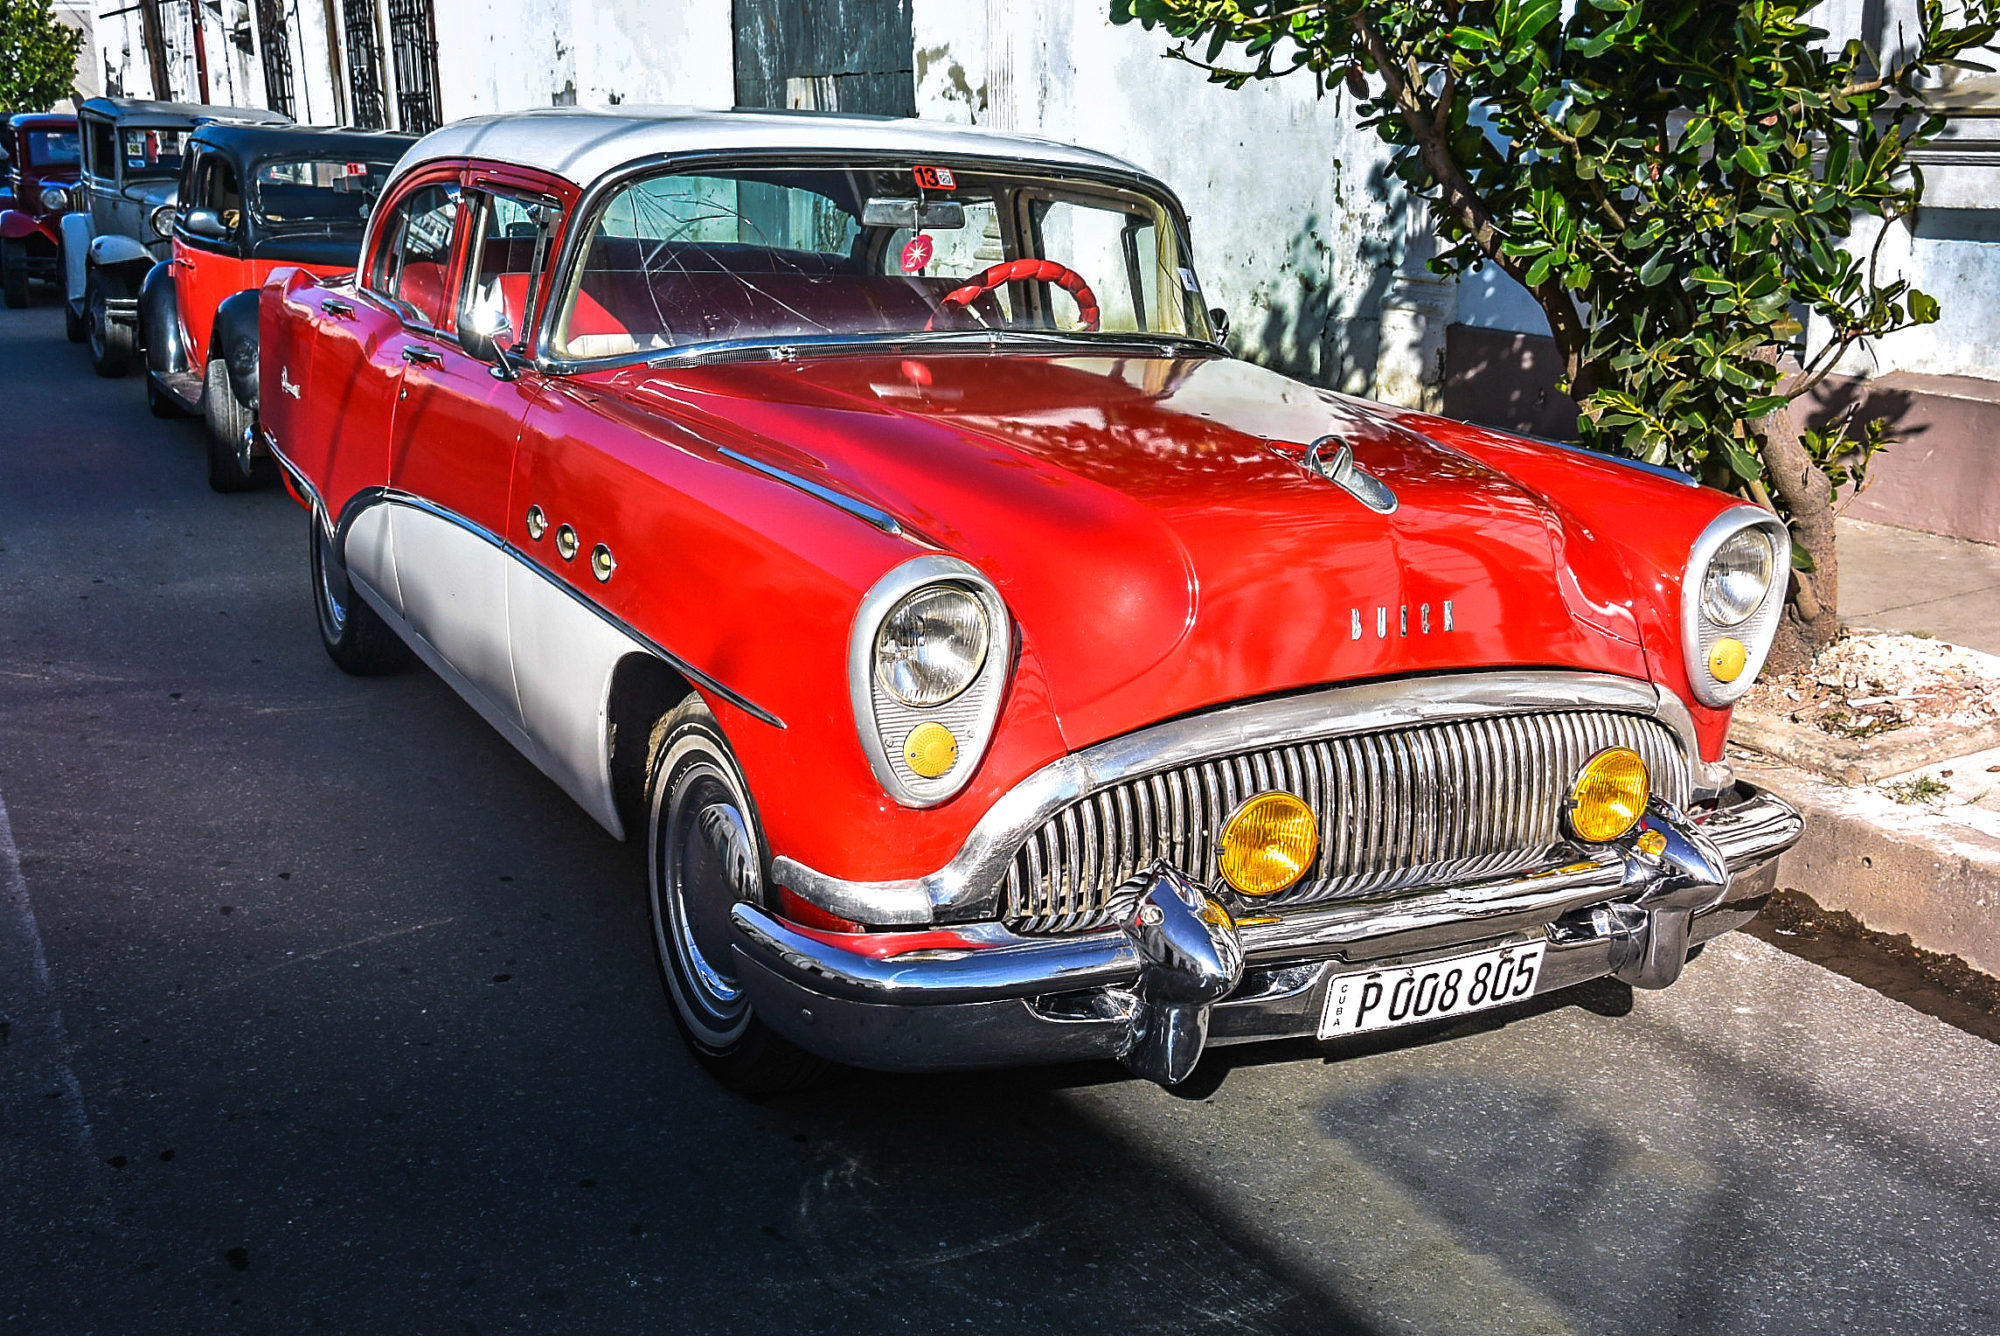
207	269
451	456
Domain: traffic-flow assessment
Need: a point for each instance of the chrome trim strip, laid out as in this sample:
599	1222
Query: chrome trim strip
393	496
861	510
1749	835
968	887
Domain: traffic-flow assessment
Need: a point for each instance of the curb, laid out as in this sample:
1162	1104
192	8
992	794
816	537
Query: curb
1933	873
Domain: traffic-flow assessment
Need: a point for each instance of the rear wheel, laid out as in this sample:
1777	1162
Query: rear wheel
354	635
14	271
110	341
231	467
706	852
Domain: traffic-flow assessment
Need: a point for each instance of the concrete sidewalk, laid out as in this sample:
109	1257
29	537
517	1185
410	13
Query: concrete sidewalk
1902	580
1927	867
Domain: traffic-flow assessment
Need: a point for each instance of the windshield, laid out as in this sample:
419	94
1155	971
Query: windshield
781	253
335	193
53	148
152	152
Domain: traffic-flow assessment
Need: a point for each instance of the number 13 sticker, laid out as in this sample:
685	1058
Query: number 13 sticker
935	178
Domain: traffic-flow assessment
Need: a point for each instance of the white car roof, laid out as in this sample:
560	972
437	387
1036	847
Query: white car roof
582	144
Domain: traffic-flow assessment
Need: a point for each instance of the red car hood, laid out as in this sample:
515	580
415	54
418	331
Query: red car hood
1151	528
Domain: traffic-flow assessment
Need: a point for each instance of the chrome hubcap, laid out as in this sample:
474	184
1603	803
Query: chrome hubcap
703	863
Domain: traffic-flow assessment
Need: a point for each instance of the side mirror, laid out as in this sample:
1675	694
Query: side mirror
486	334
206	224
1218	320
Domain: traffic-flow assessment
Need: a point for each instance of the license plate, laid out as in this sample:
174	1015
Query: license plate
1357	1003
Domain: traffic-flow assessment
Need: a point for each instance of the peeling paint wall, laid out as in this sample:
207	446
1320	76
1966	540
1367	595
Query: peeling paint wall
1297	230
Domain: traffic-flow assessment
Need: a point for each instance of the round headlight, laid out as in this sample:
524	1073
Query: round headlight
1609	795
161	220
55	199
1738	576
1268	844
931	646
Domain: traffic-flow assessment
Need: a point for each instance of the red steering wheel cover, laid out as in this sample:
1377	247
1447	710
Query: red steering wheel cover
1038	271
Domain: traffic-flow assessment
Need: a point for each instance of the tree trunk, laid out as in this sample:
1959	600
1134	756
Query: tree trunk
1812	612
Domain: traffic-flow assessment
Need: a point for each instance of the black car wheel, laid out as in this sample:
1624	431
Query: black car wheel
706	852
14	271
231	467
109	341
354	635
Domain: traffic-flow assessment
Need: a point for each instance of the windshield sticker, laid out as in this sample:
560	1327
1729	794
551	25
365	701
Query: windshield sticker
935	178
917	254
1187	279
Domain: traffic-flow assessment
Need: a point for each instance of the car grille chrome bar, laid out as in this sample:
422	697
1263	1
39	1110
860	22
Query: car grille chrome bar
1399	810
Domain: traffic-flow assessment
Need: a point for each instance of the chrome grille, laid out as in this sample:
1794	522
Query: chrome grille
1398	810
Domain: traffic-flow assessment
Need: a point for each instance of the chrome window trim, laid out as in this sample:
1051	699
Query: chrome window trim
968	887
891	589
1756	631
372	496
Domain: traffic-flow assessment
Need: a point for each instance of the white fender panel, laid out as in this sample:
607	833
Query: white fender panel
564	654
75	228
115	248
452	580
370	556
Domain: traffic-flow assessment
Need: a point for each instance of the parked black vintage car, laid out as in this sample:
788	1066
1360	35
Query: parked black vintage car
111	236
252	198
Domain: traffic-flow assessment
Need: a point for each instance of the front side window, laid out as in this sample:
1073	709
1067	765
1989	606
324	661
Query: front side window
413	256
103	149
217	189
53	148
676	260
151	152
510	243
331	193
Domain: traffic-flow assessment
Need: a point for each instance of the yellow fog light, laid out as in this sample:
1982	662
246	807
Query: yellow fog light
930	750
1609	795
1652	843
1268	844
1726	658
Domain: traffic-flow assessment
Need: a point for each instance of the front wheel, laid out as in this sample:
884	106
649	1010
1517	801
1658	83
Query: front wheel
354	635
14	271
110	342
706	852
231	468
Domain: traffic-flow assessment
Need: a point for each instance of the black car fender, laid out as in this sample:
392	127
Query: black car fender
234	339
160	321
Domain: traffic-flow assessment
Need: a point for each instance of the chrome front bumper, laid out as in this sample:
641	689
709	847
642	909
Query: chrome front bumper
1178	972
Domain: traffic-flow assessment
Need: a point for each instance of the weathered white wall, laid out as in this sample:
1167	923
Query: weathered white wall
1296	233
503	55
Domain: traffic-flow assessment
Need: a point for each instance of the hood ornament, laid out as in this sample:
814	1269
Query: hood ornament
1333	459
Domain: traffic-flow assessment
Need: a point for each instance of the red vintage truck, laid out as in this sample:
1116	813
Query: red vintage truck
41	160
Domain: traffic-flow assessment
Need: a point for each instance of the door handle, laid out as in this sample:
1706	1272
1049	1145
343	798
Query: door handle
335	306
416	354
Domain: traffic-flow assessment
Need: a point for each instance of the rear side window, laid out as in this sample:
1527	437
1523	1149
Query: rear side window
217	188
414	254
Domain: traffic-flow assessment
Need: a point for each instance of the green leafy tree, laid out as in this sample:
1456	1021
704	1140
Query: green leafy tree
1676	182
37	56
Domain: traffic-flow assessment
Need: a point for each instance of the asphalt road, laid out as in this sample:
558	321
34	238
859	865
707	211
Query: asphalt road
321	1010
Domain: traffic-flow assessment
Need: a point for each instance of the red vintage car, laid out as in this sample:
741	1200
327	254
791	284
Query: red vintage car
41	156
867	515
252	197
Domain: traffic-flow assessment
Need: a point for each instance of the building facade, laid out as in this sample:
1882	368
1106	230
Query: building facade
1302	234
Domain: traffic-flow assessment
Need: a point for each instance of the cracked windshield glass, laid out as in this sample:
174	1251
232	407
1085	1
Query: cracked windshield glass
897	252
